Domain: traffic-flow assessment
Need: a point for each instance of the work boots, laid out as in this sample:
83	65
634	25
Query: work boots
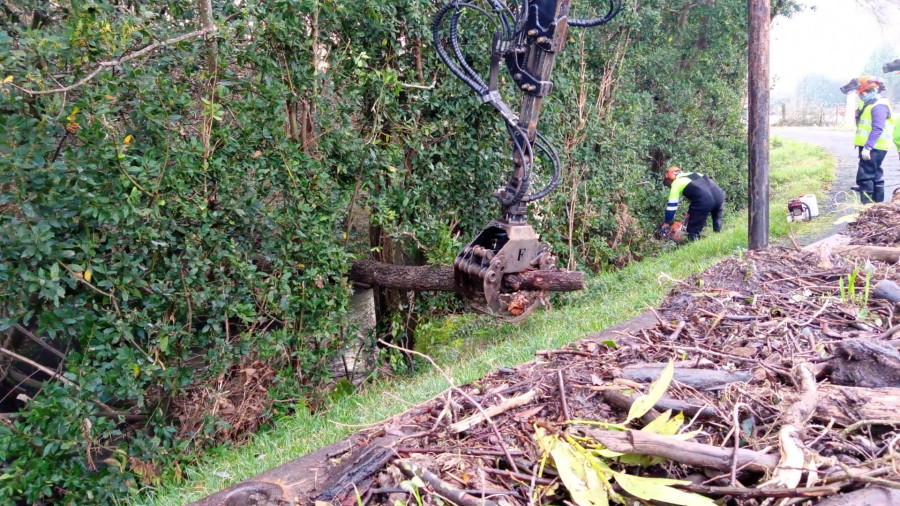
866	191
878	193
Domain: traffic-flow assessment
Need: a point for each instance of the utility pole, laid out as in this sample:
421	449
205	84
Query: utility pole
758	122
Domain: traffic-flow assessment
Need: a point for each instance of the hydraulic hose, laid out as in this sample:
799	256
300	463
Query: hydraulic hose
457	51
548	150
436	35
525	182
614	7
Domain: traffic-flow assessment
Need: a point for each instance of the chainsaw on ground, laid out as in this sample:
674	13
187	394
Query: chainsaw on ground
527	36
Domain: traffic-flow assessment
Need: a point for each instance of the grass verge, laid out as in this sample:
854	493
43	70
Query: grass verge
611	298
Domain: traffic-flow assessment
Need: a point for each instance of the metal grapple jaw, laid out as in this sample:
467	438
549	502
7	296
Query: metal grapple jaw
501	249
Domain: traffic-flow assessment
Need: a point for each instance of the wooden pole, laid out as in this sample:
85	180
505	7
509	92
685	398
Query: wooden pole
758	123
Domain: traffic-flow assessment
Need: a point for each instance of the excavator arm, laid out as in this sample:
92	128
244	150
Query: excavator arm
528	36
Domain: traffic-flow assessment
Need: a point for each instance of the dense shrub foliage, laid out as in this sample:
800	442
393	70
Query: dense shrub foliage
177	223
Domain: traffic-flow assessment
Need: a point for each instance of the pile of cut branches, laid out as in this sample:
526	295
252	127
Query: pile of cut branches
877	225
771	378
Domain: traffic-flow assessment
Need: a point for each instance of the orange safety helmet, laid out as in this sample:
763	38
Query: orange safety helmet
671	174
867	83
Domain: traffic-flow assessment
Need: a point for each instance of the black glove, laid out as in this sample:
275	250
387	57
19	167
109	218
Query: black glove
663	231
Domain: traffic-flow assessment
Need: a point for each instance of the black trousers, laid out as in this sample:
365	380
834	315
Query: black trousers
870	177
707	199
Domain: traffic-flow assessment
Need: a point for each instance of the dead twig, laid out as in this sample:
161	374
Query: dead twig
793	454
677	331
443	488
458	390
562	396
486	413
864	423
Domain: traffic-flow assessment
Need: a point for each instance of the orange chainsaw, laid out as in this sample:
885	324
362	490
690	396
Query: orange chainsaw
676	231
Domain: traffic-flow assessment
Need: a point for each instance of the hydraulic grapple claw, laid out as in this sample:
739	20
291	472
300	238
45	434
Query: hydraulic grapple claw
501	248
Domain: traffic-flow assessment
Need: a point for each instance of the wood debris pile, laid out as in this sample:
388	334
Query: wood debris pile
877	225
775	380
787	360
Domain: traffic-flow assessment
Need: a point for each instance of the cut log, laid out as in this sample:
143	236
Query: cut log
846	405
694	363
551	281
887	289
624	402
686	452
865	363
869	496
880	253
701	379
358	478
302	477
440	278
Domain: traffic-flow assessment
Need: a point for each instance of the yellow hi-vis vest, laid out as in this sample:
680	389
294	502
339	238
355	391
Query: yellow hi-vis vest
897	138
864	126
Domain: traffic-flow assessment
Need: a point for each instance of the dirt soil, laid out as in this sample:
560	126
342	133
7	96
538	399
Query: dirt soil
761	346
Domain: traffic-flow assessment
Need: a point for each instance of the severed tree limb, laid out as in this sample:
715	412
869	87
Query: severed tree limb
441	487
887	289
440	278
848	405
864	497
881	253
760	492
484	414
702	379
360	475
790	437
686	452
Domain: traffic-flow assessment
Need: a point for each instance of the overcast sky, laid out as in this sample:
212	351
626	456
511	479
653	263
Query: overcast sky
835	40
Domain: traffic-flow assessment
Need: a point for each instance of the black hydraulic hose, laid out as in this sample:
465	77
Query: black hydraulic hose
499	6
457	51
502	25
548	150
525	182
614	7
436	35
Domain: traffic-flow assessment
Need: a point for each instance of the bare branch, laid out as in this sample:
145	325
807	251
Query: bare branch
118	61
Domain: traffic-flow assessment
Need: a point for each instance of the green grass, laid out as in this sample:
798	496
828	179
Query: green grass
611	297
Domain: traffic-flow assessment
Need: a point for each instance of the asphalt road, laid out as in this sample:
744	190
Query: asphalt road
840	144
